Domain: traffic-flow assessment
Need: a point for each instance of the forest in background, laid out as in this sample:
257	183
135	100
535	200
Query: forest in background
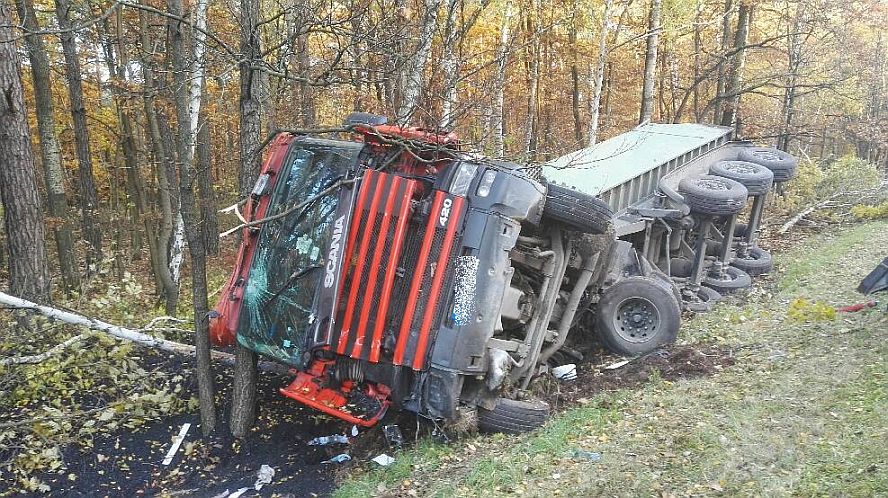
126	125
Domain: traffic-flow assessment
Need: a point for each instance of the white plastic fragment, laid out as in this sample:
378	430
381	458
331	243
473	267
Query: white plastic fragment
616	365
332	439
238	493
354	430
566	372
342	457
177	442
384	460
266	473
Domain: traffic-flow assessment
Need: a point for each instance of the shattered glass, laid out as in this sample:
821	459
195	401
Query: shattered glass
276	316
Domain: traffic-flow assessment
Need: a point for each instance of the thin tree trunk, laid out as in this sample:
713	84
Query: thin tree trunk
187	179
575	79
209	222
533	83
450	65
793	53
650	63
306	93
723	62
49	149
414	82
22	216
92	232
502	57
597	78
732	101
698	47
243	399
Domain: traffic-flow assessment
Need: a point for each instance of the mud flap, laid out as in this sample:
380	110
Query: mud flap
876	281
441	391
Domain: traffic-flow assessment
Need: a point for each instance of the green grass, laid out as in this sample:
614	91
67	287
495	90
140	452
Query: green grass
803	412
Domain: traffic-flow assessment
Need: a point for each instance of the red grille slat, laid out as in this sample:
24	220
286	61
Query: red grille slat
420	268
437	281
388	283
374	266
361	261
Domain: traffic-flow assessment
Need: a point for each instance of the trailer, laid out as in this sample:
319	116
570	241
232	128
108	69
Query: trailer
675	194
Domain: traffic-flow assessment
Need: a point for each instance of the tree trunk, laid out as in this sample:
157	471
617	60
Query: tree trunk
89	203
49	149
575	79
187	178
250	117
243	399
723	62
533	82
209	222
414	82
794	56
597	78
306	92
450	65
502	57
735	73
650	63
698	47
22	216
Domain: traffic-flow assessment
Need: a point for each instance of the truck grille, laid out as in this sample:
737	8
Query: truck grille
395	272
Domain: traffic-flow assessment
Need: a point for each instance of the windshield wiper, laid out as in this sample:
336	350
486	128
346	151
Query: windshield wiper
295	277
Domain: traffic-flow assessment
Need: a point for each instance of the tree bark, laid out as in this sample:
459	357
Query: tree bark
22	216
533	82
250	116
53	173
209	221
650	63
450	65
502	57
414	82
243	396
735	73
575	79
597	78
89	203
723	62
197	251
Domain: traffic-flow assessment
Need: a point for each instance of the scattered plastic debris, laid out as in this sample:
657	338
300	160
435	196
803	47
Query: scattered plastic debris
177	442
614	366
384	460
566	372
354	431
266	473
332	439
238	493
341	458
592	456
393	435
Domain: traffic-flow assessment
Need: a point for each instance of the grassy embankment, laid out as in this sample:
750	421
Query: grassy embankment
803	412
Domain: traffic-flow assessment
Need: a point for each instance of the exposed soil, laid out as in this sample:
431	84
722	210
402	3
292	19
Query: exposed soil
669	363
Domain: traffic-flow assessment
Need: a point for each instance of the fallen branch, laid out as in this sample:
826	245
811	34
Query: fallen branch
805	212
120	333
37	358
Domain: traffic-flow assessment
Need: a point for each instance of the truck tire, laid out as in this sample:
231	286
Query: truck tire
756	262
511	416
733	279
636	316
713	195
705	300
756	178
577	210
781	163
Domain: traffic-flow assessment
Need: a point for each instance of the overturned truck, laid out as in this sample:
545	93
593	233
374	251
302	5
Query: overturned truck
393	269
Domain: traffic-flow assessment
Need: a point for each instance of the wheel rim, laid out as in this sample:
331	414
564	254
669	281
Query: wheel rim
711	184
636	320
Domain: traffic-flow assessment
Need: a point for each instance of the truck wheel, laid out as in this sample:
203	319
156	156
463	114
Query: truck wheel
511	416
577	210
756	178
705	300
756	262
733	279
637	315
740	230
713	195
781	163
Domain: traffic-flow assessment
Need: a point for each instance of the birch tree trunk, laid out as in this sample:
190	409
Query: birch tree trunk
92	232
650	63
450	65
597	79
413	84
22	217
502	57
533	82
49	148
